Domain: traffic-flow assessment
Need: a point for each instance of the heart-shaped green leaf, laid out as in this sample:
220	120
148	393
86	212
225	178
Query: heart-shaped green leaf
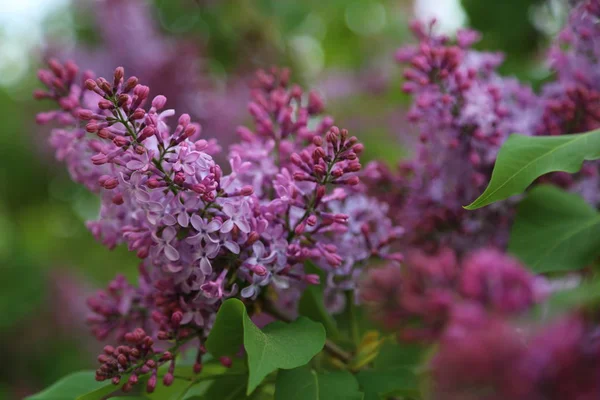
80	385
555	231
305	384
277	346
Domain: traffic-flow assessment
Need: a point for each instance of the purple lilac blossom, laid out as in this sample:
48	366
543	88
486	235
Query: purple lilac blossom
172	66
571	103
292	196
464	111
418	300
482	356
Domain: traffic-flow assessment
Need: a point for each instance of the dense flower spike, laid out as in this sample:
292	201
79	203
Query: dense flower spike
464	111
419	299
292	196
482	356
571	103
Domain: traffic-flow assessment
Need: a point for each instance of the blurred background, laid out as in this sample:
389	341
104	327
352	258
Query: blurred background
201	55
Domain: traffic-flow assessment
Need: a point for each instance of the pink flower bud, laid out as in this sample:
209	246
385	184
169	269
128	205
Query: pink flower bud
168	379
139	113
197	368
121	141
252	238
259	270
90	84
159	102
226	362
312	279
246	190
141	91
104	104
311	220
118	199
176	318
99	159
151	385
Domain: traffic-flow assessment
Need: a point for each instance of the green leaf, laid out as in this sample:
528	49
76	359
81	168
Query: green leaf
280	346
305	384
277	346
396	355
227	334
312	306
227	388
523	159
80	385
399	381
555	231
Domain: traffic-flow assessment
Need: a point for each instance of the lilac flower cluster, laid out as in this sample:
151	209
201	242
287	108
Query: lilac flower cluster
464	111
485	357
418	300
571	103
291	196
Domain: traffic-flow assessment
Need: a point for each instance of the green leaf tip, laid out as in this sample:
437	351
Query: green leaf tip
523	159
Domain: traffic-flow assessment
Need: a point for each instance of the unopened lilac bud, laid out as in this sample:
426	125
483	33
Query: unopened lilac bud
104	134
139	113
358	148
198	368
91	85
179	178
315	103
168	379
296	160
189	131
176	318
133	379
336	173
312	279
104	104
130	84
300	228
118	199
252	238
109	350
151	385
311	220
141	91
122	359
246	190
116	380
159	102
92	127
110	183
146	133
85	115
118	75
226	362
259	270
317	141
123	99
127	387
321	192
99	159
121	141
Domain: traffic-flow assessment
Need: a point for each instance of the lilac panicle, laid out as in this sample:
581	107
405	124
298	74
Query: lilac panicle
485	357
464	111
418	300
292	195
